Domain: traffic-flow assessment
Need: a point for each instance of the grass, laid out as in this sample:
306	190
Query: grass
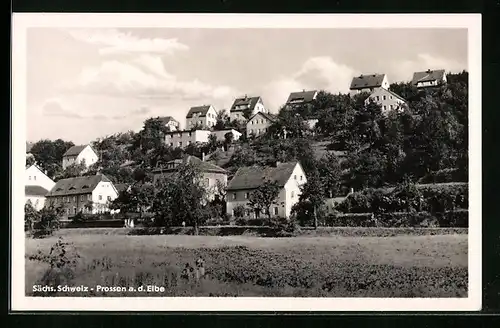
335	266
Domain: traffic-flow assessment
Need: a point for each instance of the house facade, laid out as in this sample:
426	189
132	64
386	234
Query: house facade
221	134
289	176
35	196
80	154
170	123
35	176
212	175
368	83
259	123
205	116
87	194
185	138
429	78
387	99
244	104
301	98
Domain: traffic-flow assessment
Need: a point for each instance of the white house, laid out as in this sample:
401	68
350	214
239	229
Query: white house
35	196
170	123
259	123
289	176
80	154
35	176
88	194
387	99
185	138
301	98
368	83
243	104
429	78
221	134
205	116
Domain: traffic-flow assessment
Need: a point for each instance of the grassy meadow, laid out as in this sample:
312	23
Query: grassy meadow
303	266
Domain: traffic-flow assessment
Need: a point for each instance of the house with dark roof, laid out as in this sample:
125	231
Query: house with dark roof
301	98
246	104
212	175
87	194
368	83
259	123
170	123
429	78
387	99
80	154
289	176
204	116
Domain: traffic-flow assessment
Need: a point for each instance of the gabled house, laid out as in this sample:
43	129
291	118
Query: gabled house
35	196
289	177
185	138
429	78
80	154
170	123
387	99
36	186
368	83
87	194
244	104
205	115
259	123
301	98
211	175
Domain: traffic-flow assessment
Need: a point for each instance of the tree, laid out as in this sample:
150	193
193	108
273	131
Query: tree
151	136
30	160
49	219
48	154
313	194
182	197
31	216
213	143
328	168
222	120
261	199
74	170
228	139
136	200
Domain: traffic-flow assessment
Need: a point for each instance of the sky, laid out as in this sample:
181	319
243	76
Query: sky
84	84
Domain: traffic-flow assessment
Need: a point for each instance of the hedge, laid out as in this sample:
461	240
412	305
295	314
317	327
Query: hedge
93	224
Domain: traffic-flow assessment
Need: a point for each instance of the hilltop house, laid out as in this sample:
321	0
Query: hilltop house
87	194
259	123
79	154
251	104
170	123
205	115
185	138
429	78
301	98
387	99
211	174
368	83
36	186
289	176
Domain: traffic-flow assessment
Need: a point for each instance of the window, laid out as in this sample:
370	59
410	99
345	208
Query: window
109	198
207	181
275	211
300	178
246	195
74	199
385	107
29	178
180	143
171	136
385	97
378	98
293	194
171	144
89	197
100	197
391	97
234	195
391	106
74	210
34	177
190	134
295	177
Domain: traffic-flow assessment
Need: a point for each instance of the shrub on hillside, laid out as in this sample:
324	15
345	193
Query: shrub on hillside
455	219
351	220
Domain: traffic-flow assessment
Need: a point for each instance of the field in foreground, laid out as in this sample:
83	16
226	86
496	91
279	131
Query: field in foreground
400	266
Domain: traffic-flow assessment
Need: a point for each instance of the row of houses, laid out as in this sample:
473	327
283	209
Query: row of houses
93	194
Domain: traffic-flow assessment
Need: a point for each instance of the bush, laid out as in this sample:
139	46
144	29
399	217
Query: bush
444	176
455	219
407	220
351	220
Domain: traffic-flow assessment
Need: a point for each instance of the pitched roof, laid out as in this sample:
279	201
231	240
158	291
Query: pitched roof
166	119
269	116
172	166
427	76
77	185
367	81
75	150
251	177
305	96
250	101
35	191
202	110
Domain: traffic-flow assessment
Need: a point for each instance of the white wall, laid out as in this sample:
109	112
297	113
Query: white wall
220	134
38	202
87	155
184	138
385	99
257	125
209	120
292	189
35	177
103	193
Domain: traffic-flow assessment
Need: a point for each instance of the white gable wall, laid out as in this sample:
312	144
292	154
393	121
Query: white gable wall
257	125
291	192
103	193
387	100
35	177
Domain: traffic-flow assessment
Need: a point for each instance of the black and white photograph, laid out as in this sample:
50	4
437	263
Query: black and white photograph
246	162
